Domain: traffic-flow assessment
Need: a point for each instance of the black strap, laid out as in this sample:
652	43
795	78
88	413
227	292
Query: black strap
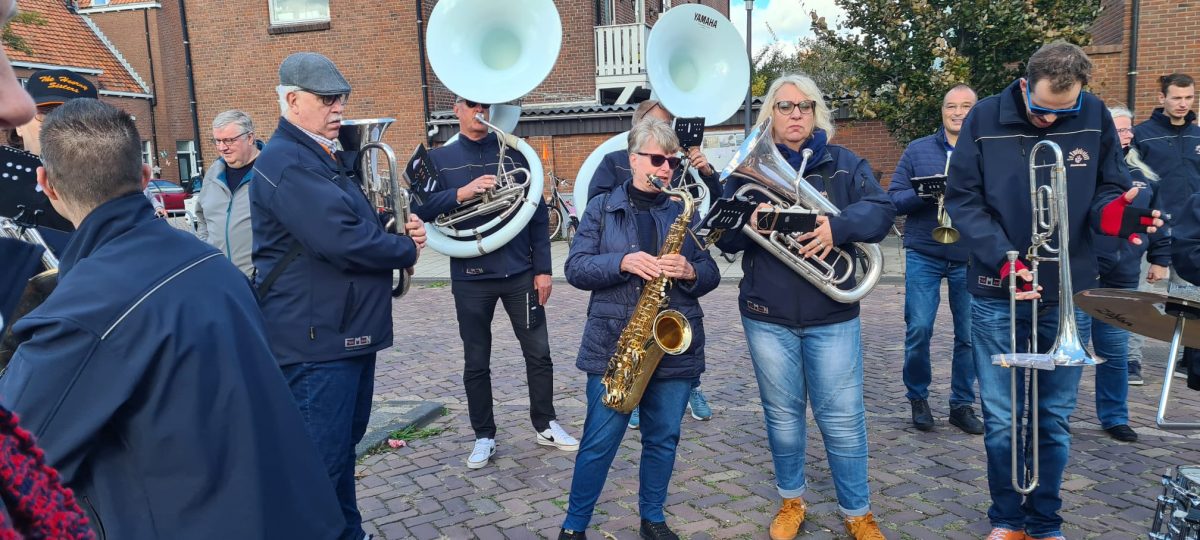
287	259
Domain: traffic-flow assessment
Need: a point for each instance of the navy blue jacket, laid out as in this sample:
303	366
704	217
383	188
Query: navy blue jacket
333	301
1174	154
148	380
614	170
22	261
923	157
988	190
770	290
1185	244
608	232
458	164
1119	260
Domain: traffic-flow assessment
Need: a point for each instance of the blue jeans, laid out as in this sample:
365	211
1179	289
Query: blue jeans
334	399
922	296
661	411
1037	514
822	365
1112	377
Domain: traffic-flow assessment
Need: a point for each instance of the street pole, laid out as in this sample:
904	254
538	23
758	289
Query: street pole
750	58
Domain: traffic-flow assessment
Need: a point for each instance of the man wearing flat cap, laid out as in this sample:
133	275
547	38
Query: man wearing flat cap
324	267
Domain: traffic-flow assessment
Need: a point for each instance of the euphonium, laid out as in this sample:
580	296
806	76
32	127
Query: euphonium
758	161
653	329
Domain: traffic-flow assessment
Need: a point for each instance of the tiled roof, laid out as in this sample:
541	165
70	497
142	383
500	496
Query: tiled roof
65	40
84	4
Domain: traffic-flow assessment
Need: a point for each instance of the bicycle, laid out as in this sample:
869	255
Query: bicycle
563	220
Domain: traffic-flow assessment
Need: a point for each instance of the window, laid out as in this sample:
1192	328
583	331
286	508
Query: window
148	153
97	3
298	11
185	154
605	13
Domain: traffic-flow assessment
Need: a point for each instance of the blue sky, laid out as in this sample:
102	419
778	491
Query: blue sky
788	18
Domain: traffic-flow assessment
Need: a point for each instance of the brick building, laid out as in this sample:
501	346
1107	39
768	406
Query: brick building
62	39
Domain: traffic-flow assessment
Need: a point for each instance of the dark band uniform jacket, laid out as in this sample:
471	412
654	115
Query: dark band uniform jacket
334	300
994	216
147	378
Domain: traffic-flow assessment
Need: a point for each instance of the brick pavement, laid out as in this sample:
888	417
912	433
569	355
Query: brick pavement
924	485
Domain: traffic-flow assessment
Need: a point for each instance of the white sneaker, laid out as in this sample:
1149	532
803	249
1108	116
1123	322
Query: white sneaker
555	435
482	453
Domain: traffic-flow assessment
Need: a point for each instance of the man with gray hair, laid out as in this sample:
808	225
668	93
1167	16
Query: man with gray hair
223	205
325	267
164	426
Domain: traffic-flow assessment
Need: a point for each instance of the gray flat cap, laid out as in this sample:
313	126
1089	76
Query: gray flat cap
314	73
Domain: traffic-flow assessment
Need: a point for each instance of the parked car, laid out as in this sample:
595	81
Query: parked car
171	194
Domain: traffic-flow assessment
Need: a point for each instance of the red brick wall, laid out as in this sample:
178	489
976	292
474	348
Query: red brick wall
872	142
1109	27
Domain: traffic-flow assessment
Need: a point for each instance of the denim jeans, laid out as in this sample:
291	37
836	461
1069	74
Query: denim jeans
475	304
821	365
922	296
334	399
661	411
1037	514
1112	377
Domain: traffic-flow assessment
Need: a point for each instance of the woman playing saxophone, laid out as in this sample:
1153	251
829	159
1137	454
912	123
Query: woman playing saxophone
614	257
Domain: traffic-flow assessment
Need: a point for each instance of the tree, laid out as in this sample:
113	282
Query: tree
812	57
11	40
905	54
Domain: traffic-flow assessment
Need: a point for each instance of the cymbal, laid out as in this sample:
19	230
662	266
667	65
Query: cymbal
1149	314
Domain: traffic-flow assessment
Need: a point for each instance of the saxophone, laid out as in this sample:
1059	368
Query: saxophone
652	330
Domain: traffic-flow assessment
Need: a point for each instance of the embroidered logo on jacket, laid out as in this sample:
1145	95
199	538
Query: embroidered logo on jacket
357	342
762	310
994	282
1078	157
1198	148
474	271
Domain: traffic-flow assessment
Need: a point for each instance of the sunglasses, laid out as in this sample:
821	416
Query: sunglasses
786	107
473	104
657	160
1042	111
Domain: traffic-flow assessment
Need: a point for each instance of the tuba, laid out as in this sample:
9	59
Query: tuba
652	330
493	52
383	192
1049	209
758	161
696	67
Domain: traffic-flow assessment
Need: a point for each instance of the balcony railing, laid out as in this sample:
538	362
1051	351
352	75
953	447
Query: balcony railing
621	50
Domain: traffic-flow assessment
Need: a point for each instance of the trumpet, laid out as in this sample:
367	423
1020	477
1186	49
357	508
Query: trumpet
945	232
1049	209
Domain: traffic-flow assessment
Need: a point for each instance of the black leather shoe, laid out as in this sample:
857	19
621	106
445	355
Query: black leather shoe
964	418
1122	433
922	417
657	530
568	534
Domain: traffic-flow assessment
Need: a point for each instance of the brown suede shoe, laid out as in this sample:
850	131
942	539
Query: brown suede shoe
864	528
786	524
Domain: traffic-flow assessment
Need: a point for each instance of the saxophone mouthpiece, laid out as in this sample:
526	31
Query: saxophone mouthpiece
655	181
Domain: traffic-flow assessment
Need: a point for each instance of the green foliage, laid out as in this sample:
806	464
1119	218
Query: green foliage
11	40
814	58
412	433
903	55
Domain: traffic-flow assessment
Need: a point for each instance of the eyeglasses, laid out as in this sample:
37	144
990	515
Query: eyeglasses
1042	111
786	107
229	141
1124	131
328	101
473	104
658	159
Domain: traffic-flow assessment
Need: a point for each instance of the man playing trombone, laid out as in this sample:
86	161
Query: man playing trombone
986	200
934	254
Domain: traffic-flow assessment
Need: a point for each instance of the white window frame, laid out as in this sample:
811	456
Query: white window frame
148	153
271	7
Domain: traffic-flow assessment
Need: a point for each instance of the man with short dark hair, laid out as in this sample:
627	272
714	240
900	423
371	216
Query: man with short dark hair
164	425
928	262
988	199
325	266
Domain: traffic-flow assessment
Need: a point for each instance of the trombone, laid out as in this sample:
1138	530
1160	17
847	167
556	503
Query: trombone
945	232
1049	209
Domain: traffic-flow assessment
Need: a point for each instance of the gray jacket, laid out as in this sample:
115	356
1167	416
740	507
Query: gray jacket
223	219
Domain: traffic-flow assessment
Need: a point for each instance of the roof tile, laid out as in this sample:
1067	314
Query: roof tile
65	40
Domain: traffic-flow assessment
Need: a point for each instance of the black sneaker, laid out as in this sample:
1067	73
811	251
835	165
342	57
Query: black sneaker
657	530
922	417
568	534
963	417
1135	379
1122	433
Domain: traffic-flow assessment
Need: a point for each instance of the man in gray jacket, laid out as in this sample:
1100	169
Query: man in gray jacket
223	206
